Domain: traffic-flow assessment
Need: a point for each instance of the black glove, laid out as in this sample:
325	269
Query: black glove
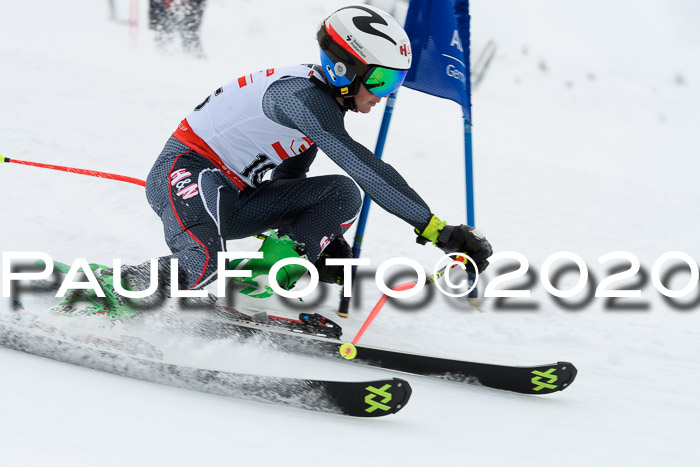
466	239
457	239
338	248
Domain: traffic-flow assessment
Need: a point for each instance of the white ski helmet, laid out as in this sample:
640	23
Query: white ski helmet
362	44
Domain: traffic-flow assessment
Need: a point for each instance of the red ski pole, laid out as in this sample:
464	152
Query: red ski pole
348	349
92	173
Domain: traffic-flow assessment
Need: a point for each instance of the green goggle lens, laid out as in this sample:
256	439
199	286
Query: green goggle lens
383	81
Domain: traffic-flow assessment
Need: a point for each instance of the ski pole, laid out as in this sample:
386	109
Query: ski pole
92	173
377	308
348	350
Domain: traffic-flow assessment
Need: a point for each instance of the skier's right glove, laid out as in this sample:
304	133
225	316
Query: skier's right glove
457	239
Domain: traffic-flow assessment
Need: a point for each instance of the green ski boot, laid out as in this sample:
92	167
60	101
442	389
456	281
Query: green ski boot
86	301
118	308
274	249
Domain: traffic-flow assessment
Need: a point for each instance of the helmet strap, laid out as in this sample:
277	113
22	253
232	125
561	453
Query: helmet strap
348	100
350	92
349	103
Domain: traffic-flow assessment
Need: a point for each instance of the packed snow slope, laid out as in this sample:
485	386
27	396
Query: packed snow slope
584	141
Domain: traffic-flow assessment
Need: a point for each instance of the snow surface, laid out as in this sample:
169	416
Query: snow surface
584	141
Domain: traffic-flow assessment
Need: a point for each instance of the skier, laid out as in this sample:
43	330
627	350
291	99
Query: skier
208	183
169	18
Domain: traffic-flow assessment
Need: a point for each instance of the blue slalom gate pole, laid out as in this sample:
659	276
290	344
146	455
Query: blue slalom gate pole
469	178
469	171
344	308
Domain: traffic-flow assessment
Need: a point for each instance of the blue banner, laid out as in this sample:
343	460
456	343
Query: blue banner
439	33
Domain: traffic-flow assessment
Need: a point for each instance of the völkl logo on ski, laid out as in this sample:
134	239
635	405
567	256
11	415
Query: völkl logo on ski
537	379
381	392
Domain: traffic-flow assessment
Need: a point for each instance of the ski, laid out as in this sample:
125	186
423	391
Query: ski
359	399
306	336
317	336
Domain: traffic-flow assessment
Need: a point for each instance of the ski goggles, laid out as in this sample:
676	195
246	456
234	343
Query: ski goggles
382	81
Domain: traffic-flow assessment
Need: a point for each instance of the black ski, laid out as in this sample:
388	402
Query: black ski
359	399
306	337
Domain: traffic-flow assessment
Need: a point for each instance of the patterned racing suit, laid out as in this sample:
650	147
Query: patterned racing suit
208	185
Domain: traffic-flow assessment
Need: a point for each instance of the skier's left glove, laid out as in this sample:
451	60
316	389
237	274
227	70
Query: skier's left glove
458	239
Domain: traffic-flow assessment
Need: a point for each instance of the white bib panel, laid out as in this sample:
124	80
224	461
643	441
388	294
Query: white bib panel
232	123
